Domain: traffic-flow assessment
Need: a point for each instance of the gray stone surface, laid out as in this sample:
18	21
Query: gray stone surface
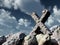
14	39
30	40
56	34
40	22
2	39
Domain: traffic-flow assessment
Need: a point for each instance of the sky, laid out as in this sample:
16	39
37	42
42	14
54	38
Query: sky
15	14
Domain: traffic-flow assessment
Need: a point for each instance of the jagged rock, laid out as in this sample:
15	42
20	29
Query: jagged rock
2	39
15	39
36	40
30	40
56	33
21	39
45	39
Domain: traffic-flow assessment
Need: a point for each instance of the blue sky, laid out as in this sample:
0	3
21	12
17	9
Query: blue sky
15	14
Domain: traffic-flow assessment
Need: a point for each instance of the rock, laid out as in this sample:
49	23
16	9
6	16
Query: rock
21	39
2	39
51	42
41	38
56	33
30	40
44	39
15	39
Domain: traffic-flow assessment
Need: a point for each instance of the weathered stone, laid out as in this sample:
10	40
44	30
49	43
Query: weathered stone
56	34
2	39
51	42
40	28
35	17
43	18
45	15
40	23
30	40
41	38
15	39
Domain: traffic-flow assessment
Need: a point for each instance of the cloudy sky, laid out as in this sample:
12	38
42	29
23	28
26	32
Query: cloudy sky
15	14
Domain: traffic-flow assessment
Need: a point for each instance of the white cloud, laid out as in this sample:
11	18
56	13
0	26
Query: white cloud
50	21
54	19
24	5
7	3
24	22
9	24
56	10
11	3
24	25
17	3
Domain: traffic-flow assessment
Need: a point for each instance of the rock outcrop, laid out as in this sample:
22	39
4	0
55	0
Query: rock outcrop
2	39
30	40
15	39
56	33
41	38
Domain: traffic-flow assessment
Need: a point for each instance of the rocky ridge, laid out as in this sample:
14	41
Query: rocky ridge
39	39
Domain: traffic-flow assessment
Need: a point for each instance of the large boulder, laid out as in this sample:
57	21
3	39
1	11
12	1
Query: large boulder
41	38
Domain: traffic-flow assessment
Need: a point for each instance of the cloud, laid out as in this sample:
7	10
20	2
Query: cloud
27	6
54	19
50	21
14	3
11	3
30	6
24	22
24	25
50	3
9	24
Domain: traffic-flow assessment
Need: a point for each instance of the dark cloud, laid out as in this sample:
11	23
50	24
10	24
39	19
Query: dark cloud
50	3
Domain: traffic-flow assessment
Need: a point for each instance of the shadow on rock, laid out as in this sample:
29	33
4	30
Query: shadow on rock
51	42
